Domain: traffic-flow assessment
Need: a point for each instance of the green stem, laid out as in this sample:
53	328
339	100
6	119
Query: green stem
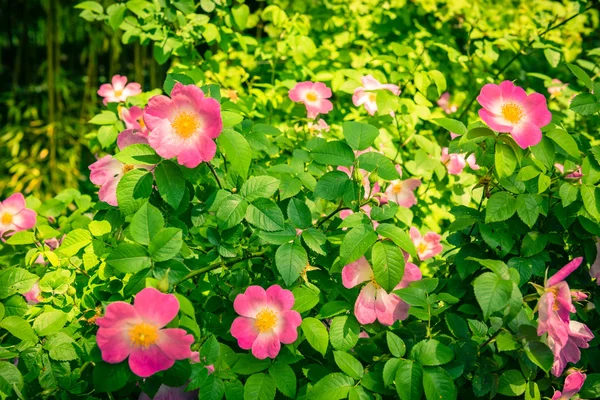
216	265
212	169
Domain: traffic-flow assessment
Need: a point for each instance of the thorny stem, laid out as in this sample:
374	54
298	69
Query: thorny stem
330	215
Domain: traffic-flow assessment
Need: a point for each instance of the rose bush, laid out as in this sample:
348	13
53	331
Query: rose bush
249	247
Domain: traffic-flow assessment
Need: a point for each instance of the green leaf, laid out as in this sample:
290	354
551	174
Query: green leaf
247	364
568	194
591	200
173	78
438	384
349	365
359	136
314	239
528	208
19	328
170	182
23	237
344	332
398	236
259	387
74	241
533	391
451	125
356	243
213	388
581	75
585	104
259	186
231	212
431	353
110	377
305	298
439	79
299	213
146	223
138	154
512	383
506	342
266	215
565	142
15	280
131	194
290	258
373	161
129	258
284	377
210	351
166	244
237	150
409	377
60	347
240	15
10	377
49	322
104	118
590	389
332	185
231	118
540	355
395	344
388	264
334	386
544	151
492	293
116	14
500	207
333	153
505	160
99	228
457	326
316	334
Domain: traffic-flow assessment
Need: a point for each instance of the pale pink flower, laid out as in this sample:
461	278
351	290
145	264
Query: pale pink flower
184	125
108	171
314	96
576	174
363	335
15	216
373	302
33	295
119	91
427	246
266	320
557	87
444	103
573	384
366	94
320	126
578	295
137	331
578	337
134	119
507	108
595	268
455	163
401	191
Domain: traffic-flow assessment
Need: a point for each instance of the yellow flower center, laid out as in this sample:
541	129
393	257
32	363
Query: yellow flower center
143	335
127	168
422	247
185	124
118	93
6	219
311	96
142	123
265	320
512	112
374	282
397	187
372	97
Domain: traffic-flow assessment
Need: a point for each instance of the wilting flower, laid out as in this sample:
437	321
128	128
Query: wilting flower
573	384
556	88
314	96
401	191
320	126
455	163
266	320
595	268
136	331
14	216
373	302
507	108
444	103
134	119
108	171
184	125
576	174
33	295
427	246
119	91
578	338
367	95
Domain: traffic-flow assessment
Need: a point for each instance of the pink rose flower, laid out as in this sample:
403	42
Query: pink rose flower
427	246
119	91
366	95
266	320
184	125
595	268
320	126
33	295
373	302
455	163
14	216
134	119
401	192
507	108
108	171
556	88
573	384
579	336
444	103
136	331
314	96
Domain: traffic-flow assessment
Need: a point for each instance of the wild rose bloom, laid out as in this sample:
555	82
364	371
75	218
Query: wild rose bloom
444	103
33	295
373	302
427	246
401	192
184	125
136	331
455	163
572	386
320	126
366	94
134	119
556	88
577	174
15	216
507	108
595	268
314	96
266	320
108	171
119	91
